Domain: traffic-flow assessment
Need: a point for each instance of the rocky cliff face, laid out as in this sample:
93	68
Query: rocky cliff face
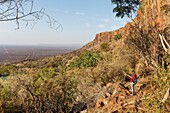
159	10
106	37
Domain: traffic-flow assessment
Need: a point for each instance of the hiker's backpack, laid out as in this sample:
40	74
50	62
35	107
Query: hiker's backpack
135	80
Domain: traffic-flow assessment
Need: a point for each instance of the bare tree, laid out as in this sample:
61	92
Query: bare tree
22	10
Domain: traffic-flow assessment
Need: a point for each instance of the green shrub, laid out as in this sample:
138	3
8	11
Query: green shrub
69	88
86	59
104	47
46	73
30	65
4	92
117	37
142	7
6	70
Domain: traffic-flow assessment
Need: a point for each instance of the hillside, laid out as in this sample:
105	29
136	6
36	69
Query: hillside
95	78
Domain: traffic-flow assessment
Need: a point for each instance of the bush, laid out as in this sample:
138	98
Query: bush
47	73
40	93
104	47
30	65
117	37
6	70
85	60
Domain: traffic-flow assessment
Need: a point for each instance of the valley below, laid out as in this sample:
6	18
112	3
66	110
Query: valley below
18	53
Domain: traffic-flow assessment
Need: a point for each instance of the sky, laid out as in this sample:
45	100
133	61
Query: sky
81	21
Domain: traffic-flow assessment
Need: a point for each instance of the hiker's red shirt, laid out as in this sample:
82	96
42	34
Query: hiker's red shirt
132	78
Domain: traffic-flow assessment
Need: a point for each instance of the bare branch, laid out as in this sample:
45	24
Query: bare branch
126	74
166	42
166	95
163	43
22	10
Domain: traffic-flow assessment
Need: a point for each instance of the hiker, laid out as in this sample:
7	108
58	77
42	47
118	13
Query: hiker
133	81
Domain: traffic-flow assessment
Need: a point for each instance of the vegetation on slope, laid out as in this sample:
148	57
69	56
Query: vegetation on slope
57	84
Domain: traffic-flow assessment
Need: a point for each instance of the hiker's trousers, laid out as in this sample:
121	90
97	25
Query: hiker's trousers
132	86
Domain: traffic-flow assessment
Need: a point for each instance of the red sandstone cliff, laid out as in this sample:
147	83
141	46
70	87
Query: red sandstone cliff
149	10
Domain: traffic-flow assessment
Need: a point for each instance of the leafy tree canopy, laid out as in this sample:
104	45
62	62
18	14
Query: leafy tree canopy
125	7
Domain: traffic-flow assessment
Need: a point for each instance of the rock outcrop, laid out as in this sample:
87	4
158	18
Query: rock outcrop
149	9
106	37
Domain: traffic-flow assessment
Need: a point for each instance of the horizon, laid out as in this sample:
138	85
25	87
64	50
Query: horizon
41	44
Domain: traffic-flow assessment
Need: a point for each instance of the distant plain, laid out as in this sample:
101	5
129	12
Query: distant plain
17	53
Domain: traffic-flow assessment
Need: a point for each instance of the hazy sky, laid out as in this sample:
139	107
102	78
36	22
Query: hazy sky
81	21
